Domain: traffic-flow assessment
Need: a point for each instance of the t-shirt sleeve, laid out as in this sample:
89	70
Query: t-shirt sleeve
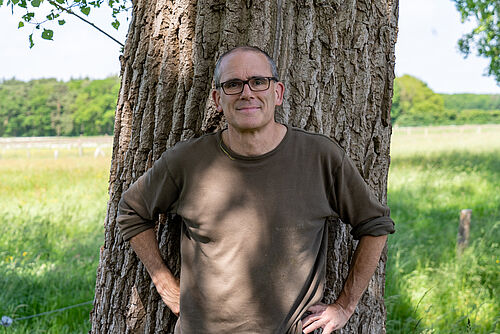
153	193
356	204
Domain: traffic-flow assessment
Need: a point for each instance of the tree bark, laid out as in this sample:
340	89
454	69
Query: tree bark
336	59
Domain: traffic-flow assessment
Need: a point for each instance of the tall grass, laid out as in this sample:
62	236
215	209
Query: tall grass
51	217
432	177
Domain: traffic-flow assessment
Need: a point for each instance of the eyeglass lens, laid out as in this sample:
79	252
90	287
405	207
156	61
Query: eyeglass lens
236	86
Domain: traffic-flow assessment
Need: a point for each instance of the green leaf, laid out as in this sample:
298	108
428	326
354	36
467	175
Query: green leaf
31	40
47	34
21	24
28	16
85	10
60	1
35	3
15	1
116	24
61	22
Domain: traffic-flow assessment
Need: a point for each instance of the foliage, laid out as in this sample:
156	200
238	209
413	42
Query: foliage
414	104
93	110
471	101
44	13
485	38
51	214
48	107
477	116
429	288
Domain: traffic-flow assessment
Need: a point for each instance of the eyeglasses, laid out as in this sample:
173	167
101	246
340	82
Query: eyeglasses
256	84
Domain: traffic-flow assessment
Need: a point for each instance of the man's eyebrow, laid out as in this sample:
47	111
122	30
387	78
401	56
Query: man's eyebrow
232	79
252	77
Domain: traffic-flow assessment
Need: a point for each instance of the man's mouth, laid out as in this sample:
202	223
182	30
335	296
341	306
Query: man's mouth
248	108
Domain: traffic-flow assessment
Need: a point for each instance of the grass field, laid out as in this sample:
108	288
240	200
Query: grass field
52	210
434	174
51	217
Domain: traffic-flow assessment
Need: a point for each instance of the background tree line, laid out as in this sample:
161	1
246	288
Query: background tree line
48	107
414	104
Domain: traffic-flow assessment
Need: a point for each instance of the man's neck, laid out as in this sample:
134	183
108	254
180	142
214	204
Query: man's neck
255	142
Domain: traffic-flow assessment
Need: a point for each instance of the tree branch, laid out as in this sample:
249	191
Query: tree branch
69	11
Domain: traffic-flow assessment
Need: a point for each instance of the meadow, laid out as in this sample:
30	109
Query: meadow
52	213
434	173
51	227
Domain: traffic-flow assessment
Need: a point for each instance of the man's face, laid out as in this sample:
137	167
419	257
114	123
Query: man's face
248	110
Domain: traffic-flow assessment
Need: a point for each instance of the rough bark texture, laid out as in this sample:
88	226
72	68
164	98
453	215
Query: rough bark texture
336	59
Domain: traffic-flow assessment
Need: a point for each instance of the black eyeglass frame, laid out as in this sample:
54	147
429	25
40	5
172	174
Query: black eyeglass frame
247	82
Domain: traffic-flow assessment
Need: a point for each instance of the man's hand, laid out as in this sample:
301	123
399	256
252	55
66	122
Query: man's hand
169	290
328	317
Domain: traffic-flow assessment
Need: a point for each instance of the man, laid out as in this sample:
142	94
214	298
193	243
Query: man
254	199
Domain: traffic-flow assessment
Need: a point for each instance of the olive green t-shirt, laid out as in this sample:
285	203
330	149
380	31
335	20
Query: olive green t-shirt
254	241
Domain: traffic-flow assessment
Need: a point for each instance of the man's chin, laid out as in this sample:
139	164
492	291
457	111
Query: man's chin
250	125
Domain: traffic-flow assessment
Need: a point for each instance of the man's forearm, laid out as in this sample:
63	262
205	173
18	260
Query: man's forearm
145	246
363	265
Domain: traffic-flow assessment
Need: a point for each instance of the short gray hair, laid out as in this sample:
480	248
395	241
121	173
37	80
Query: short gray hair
272	64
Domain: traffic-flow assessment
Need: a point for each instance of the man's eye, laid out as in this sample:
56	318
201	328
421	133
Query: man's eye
259	82
233	84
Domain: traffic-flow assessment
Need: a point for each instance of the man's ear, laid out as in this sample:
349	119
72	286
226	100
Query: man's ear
216	98
279	90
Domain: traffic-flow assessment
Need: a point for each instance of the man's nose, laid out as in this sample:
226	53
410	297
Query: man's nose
247	92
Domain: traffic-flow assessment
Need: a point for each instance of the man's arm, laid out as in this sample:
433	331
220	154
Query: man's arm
145	246
363	265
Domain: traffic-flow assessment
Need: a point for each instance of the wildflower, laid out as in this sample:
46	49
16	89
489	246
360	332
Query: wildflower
25	253
6	321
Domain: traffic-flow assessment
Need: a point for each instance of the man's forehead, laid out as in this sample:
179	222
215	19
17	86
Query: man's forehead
251	62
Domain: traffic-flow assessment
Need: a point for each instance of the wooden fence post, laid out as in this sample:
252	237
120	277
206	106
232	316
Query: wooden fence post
463	230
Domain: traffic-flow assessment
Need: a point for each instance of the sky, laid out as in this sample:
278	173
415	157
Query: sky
77	49
426	48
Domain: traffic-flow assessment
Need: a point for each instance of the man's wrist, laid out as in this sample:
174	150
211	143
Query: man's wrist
349	306
163	279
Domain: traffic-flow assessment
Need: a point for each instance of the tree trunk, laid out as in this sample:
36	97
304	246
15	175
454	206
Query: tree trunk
336	59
